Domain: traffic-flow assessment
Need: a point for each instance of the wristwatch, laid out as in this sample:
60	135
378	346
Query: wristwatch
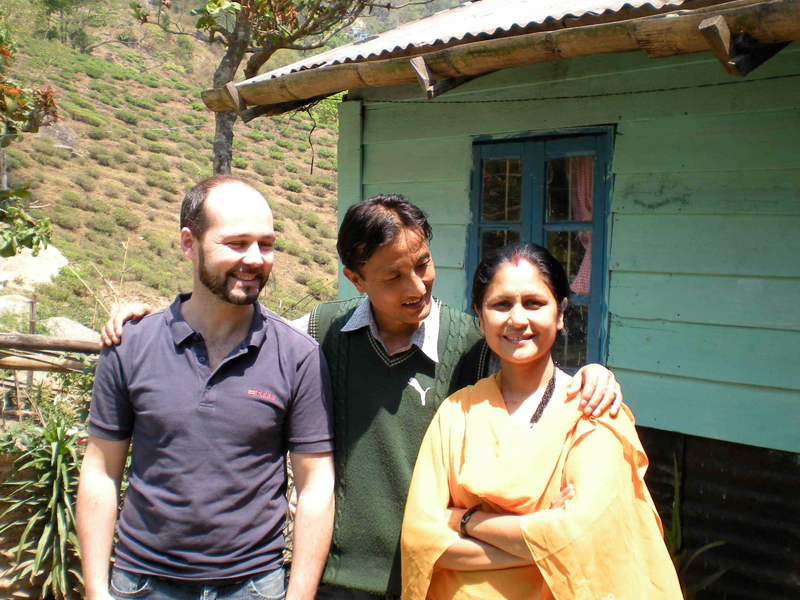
465	518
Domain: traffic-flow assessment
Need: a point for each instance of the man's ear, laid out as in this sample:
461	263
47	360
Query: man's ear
189	244
355	279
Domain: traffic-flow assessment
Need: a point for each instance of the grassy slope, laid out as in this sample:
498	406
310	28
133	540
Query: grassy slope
142	138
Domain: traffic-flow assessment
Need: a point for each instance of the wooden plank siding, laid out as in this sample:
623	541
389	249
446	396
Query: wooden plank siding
704	253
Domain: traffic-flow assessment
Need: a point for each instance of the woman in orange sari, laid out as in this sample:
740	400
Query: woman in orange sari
477	523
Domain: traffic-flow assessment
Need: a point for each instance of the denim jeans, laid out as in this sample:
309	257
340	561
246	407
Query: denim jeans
263	586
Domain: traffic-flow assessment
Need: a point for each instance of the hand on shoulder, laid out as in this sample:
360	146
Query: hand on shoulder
111	331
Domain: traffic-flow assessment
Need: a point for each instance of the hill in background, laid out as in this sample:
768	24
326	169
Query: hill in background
133	137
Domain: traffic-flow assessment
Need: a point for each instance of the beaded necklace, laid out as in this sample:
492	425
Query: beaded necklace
548	393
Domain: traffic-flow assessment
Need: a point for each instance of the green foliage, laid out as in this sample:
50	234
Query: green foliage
83	201
312	219
193	119
161	180
292	185
138	102
126	218
327	183
292	168
163	149
156	162
198	106
326	152
280	245
284	143
320	257
83	115
19	228
275	153
68	218
127	116
325	141
41	496
302	277
161	97
264	168
102	223
154	134
86	182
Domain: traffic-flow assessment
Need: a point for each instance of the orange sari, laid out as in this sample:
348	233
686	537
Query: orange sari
606	544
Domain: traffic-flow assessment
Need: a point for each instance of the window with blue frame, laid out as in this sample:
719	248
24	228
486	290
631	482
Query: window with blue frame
552	192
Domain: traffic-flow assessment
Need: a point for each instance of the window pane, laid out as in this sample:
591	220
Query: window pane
570	183
570	350
491	240
502	190
573	249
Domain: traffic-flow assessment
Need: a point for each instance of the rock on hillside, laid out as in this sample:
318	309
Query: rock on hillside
24	269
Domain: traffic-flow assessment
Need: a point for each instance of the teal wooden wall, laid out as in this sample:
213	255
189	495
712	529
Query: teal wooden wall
704	254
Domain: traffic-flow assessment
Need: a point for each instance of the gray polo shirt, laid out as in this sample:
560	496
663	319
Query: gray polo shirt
207	481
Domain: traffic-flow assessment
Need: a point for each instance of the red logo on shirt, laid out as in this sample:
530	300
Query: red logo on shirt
261	394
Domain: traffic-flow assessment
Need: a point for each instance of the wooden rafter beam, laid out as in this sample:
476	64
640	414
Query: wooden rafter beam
740	54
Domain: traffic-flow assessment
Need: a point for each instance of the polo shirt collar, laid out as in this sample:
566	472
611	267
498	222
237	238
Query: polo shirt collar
182	332
426	338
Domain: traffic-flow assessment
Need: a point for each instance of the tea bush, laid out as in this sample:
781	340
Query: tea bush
102	223
263	167
127	116
126	218
292	185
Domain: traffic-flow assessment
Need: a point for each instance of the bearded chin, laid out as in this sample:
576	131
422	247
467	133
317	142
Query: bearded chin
218	286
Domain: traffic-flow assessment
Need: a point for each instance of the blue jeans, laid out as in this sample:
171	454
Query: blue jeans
263	586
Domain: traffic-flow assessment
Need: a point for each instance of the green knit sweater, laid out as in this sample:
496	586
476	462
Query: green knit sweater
379	423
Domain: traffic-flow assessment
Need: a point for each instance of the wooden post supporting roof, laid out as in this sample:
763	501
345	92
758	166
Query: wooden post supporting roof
769	22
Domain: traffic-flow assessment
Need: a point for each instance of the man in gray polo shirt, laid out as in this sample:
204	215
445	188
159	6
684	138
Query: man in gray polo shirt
211	393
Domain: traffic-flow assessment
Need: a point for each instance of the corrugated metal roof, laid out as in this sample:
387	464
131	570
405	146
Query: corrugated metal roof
484	19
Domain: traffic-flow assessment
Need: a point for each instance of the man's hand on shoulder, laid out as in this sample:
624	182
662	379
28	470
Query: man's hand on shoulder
599	390
111	332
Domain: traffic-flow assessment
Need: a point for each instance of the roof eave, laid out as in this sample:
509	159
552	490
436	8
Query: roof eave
674	33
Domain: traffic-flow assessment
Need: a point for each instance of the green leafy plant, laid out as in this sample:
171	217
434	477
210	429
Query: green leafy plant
683	558
42	495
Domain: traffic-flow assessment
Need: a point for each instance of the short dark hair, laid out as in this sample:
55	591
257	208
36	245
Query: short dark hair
551	270
374	222
193	214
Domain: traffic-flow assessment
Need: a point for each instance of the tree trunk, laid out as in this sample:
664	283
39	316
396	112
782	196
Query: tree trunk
238	41
223	142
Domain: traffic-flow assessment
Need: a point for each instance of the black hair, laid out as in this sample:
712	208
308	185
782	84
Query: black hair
551	270
193	214
374	222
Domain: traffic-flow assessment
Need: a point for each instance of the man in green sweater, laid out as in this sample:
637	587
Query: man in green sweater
394	356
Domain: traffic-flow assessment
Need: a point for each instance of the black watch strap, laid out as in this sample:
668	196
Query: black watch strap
465	518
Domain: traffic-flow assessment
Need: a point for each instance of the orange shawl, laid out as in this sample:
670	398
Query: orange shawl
606	544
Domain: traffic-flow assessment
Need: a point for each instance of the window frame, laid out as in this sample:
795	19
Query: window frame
535	151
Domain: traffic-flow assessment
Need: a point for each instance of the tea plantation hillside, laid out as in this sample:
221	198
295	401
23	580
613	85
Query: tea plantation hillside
133	137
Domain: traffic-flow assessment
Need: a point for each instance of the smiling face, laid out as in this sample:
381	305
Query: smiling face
234	257
519	315
398	278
